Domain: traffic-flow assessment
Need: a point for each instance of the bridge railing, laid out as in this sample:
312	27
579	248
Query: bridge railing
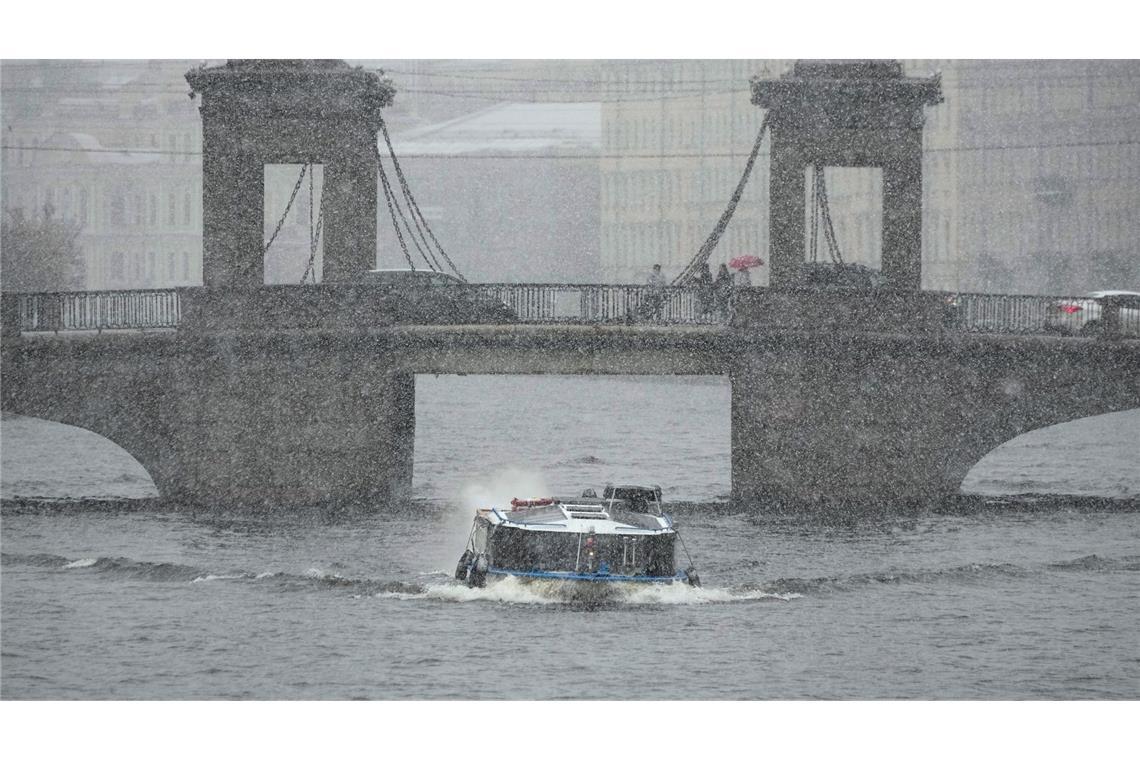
593	303
99	310
601	304
1031	314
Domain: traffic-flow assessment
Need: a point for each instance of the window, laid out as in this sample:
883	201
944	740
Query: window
118	209
187	209
115	267
171	211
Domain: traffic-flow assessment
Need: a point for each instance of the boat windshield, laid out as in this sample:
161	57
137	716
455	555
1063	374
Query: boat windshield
536	550
640	499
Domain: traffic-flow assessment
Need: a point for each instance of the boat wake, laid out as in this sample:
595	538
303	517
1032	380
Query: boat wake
512	590
439	586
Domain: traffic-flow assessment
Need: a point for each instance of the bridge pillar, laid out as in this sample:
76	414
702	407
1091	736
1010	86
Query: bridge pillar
839	423
294	424
280	111
863	113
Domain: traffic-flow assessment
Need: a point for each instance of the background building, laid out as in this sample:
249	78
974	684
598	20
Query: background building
1031	170
511	191
1031	175
114	146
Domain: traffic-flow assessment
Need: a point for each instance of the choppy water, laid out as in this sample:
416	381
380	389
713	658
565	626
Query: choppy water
154	604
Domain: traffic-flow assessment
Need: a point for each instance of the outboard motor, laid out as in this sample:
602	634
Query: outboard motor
464	564
477	574
692	578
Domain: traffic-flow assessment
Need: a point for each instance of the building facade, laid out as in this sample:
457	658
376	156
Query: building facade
1031	173
113	146
1031	170
511	191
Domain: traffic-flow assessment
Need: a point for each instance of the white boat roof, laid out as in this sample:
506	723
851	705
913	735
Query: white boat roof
580	516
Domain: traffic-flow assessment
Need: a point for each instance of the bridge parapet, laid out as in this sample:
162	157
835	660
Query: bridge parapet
286	307
809	309
360	306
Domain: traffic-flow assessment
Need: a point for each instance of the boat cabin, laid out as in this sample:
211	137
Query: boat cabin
641	499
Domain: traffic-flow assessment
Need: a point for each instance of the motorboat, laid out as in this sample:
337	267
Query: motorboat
621	537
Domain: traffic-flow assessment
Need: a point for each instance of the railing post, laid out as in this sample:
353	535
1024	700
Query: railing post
1110	317
10	316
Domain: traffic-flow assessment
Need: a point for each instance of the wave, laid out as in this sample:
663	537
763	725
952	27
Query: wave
441	587
891	576
1096	563
584	459
511	590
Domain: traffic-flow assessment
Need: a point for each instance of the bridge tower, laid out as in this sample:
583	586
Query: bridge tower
258	112
852	113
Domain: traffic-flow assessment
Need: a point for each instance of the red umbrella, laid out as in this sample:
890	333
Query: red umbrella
746	262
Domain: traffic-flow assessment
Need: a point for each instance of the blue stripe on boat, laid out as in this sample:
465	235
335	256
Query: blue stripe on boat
561	576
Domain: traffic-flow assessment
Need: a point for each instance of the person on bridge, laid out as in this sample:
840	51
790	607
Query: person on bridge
722	290
705	293
656	298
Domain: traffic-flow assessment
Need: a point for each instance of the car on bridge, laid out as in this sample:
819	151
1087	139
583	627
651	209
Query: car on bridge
439	298
1086	315
825	274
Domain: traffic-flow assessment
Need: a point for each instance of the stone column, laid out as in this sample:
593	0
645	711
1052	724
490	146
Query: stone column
233	215
289	422
787	206
349	217
902	212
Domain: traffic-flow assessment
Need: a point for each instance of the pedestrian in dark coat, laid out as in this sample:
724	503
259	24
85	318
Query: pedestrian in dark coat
722	290
705	293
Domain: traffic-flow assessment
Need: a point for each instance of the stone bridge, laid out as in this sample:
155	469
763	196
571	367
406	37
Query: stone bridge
893	412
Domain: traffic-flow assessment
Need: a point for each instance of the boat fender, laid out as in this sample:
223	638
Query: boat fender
477	575
692	578
464	564
524	503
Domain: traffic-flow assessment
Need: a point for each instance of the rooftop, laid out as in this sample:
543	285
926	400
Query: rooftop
518	128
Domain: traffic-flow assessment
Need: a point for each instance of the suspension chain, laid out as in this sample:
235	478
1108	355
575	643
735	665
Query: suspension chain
710	244
828	227
814	245
314	230
413	207
289	205
391	211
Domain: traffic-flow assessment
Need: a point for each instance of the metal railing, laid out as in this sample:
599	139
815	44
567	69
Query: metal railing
99	310
1028	315
600	304
594	304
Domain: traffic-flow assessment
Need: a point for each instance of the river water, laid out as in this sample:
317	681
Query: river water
129	599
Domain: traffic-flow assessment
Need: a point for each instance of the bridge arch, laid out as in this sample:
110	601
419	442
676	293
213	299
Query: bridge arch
44	458
1091	456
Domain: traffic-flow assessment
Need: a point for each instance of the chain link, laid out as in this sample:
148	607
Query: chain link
391	211
690	270
412	205
314	230
289	205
